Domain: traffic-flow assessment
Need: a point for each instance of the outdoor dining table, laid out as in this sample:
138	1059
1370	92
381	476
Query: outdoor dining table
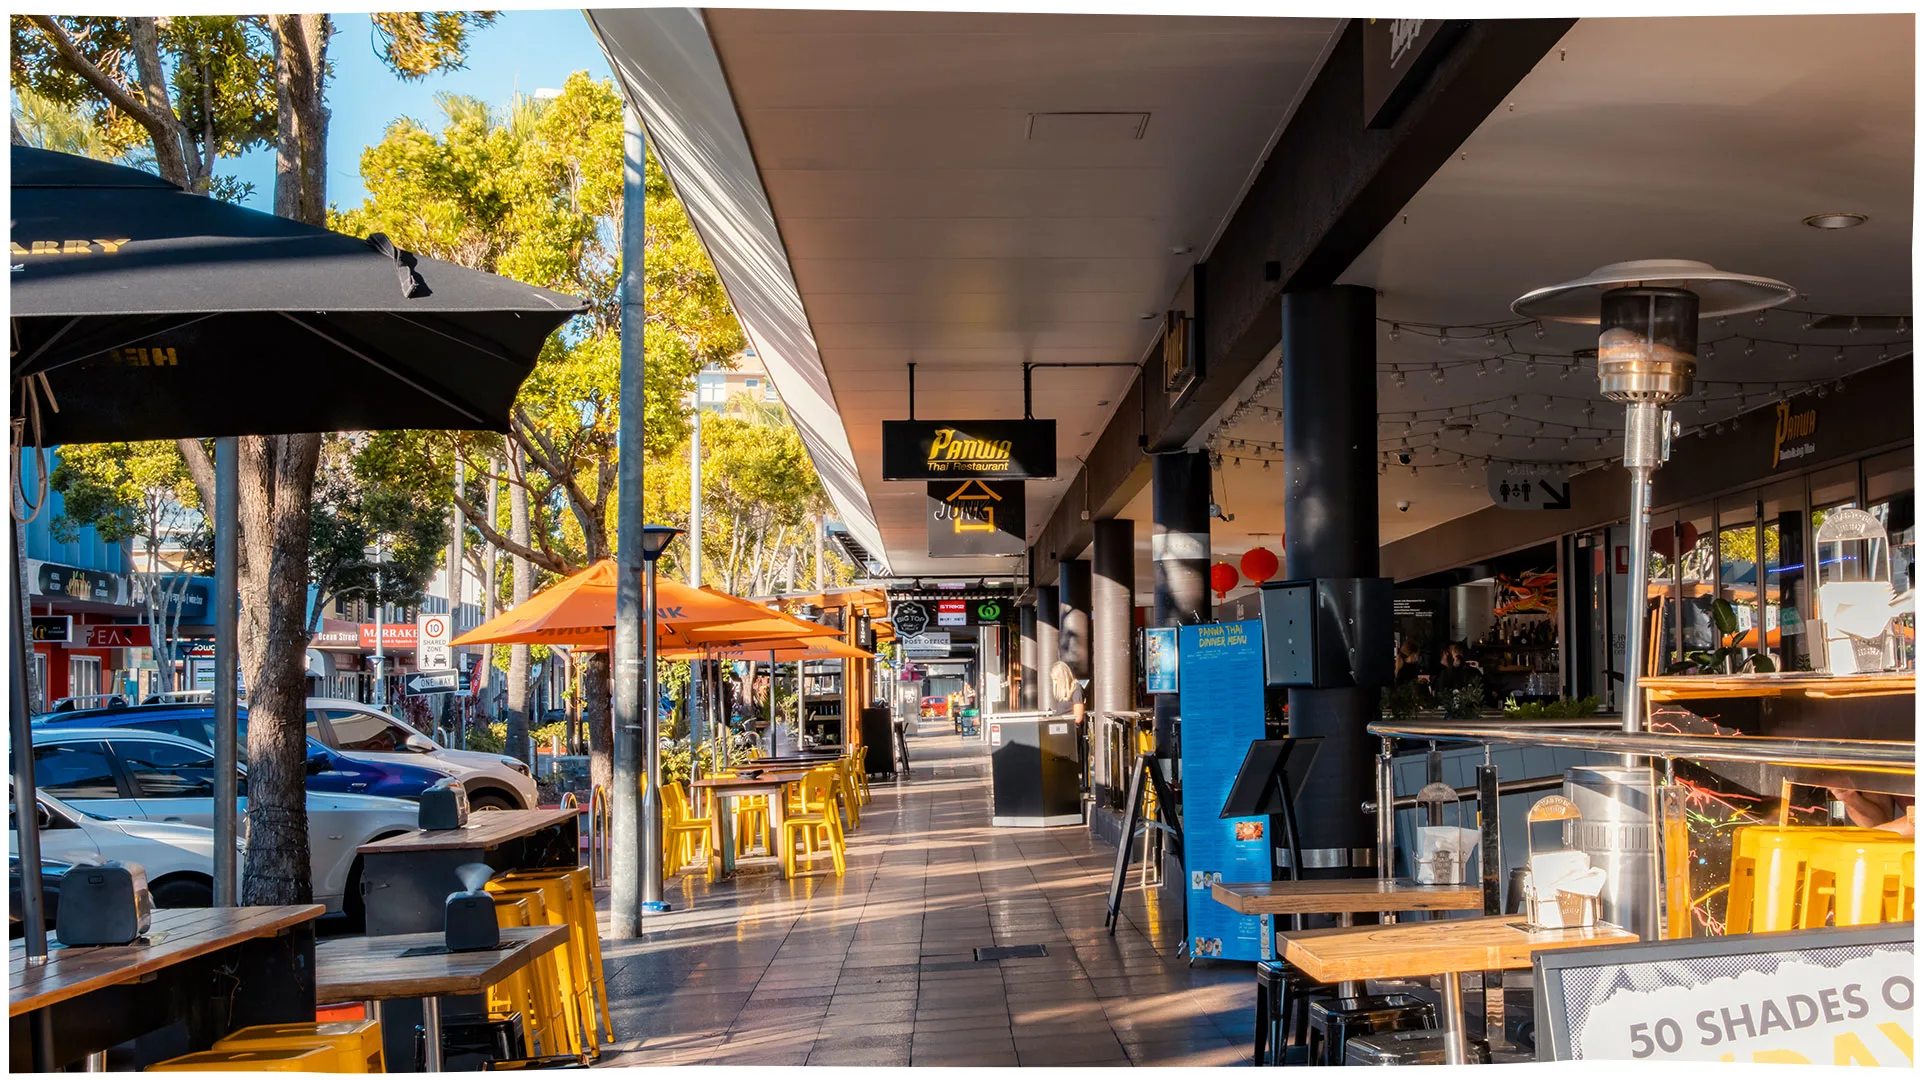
1445	948
407	966
721	790
215	969
1343	898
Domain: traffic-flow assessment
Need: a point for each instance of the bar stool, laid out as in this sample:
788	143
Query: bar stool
1856	880
1279	1011
1331	1023
283	1059
585	925
553	1004
356	1043
1768	876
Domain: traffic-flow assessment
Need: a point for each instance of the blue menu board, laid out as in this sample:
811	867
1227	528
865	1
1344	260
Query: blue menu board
1222	710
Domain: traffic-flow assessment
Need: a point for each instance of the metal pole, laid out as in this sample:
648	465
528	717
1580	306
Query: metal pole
627	730
1642	457
226	663
654	849
32	904
696	718
457	589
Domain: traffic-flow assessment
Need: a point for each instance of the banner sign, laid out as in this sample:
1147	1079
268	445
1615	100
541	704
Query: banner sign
958	449
71	582
392	635
976	517
950	612
1163	659
1222	709
928	646
910	618
53	628
1838	996
117	636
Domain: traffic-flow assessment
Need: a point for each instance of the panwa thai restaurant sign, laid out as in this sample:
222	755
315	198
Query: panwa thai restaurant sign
1792	432
960	449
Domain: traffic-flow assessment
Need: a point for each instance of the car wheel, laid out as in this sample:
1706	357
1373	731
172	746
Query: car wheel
353	908
491	800
182	892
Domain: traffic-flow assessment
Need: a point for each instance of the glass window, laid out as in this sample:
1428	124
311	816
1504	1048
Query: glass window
79	770
83	674
39	703
1890	501
365	732
1737	552
1783	509
166	771
187	727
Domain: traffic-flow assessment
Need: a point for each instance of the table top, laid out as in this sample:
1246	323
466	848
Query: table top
1351	895
484	829
1780	684
177	935
372	969
766	777
1407	950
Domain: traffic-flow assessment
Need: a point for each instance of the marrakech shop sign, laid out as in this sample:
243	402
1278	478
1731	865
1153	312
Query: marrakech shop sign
392	636
960	449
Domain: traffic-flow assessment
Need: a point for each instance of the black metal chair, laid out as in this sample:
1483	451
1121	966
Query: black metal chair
1331	1023
1279	1012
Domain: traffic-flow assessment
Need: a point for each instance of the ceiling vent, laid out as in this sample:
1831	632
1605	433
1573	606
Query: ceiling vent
1086	127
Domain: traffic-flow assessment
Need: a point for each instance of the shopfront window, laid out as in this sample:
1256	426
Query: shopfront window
1890	501
1696	574
1784	537
38	704
1737	552
83	674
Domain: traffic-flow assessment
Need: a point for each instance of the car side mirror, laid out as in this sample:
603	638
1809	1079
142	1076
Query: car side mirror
42	816
419	744
316	764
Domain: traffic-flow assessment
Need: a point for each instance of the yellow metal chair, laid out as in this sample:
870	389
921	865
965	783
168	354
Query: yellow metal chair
558	891
551	974
517	993
1767	887
308	1059
685	833
585	924
818	817
1857	880
355	1043
849	791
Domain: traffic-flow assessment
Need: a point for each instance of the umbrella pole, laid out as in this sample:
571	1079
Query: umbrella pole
628	840
32	903
653	850
226	684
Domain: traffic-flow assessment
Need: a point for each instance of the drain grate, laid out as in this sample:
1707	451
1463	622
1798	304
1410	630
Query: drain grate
1010	952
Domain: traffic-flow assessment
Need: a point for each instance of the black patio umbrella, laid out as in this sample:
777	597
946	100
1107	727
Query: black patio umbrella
141	311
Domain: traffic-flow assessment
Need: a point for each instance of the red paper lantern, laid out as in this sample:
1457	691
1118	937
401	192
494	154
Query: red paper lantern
1259	564
1224	578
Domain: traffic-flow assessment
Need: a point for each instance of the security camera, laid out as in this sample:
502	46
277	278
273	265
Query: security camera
1403	506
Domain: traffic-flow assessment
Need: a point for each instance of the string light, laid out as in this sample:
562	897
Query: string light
1393	332
1443	337
1540	331
1399	377
1439	374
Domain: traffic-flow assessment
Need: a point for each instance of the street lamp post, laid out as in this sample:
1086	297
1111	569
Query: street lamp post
379	627
654	540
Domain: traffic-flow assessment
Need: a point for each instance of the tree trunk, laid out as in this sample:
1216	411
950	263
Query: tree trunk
596	694
171	154
518	661
276	517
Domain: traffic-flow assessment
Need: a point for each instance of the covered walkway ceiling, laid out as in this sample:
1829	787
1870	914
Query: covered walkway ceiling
969	192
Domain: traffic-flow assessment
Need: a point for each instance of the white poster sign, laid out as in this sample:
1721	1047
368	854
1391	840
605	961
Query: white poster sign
432	653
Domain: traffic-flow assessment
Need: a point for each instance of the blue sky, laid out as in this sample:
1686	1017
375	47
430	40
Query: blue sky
523	51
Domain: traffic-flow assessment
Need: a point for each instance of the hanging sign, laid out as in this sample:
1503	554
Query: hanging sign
910	617
928	646
1396	57
1517	486
976	517
53	628
74	583
1792	432
958	449
951	612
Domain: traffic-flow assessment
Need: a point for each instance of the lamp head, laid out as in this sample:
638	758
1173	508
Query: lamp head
654	540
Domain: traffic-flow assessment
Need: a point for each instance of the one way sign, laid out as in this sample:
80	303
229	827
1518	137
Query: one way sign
433	682
1527	487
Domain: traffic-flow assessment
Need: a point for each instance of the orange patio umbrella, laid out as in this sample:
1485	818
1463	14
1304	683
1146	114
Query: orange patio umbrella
781	651
579	611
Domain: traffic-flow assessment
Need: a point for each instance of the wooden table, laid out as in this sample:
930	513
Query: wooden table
722	789
372	969
1444	948
216	968
1343	897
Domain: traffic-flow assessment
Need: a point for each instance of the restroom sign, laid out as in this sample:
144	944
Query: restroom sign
976	517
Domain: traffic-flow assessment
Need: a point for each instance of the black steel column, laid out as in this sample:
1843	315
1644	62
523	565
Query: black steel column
1030	673
1182	548
1329	403
1112	652
1046	643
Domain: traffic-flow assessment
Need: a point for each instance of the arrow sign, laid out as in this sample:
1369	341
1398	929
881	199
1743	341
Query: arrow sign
1516	485
433	682
1554	496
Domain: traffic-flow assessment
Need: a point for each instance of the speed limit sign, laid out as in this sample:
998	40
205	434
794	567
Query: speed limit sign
434	654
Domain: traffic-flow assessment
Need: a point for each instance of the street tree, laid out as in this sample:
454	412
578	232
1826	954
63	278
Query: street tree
195	91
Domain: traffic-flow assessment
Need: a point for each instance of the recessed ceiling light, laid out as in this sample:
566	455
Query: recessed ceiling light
1182	249
1084	434
1101	403
1149	315
1836	221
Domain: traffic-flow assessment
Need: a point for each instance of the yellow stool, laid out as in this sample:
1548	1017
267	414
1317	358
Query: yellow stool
561	894
686	833
1906	886
849	791
285	1059
818	818
585	924
1855	879
548	1018
515	993
1768	878
355	1042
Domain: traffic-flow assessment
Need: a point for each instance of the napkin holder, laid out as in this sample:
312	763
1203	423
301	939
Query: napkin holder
1562	887
106	904
444	806
1441	852
471	922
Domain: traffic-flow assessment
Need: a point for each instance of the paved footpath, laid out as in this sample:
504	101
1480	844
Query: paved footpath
877	967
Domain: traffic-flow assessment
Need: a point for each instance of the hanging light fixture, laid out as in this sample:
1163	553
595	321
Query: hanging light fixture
1649	315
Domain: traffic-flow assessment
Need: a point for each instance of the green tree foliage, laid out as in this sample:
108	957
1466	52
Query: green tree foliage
357	502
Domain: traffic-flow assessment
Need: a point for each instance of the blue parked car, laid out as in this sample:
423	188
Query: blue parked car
328	770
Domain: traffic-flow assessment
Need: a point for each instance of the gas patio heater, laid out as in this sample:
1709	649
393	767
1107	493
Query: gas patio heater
1649	312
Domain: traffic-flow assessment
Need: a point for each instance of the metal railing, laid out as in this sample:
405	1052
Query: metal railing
599	833
1864	755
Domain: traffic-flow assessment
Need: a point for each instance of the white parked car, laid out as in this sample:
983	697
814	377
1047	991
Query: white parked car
178	859
128	772
493	781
